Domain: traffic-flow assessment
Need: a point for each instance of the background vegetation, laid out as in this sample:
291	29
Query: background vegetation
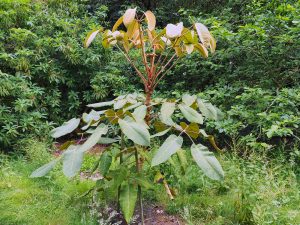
46	77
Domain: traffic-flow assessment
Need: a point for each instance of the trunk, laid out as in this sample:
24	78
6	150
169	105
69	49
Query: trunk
148	104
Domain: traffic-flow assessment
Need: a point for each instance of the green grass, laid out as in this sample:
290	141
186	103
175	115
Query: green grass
255	191
50	200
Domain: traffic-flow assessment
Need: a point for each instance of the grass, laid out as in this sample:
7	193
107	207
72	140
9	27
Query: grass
255	191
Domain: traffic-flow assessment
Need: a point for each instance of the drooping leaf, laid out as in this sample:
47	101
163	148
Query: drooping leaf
120	104
188	99
205	37
117	24
189	48
128	197
66	128
208	110
129	16
166	111
190	114
162	133
72	161
43	170
106	140
94	138
105	162
100	104
201	49
91	36
168	148
151	20
140	179
207	162
136	132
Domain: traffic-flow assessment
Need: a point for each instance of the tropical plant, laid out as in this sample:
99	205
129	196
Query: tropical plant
152	53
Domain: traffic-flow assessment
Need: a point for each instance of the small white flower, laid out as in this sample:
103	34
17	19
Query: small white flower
173	31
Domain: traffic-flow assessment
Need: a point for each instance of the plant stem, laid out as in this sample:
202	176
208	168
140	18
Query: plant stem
140	199
121	161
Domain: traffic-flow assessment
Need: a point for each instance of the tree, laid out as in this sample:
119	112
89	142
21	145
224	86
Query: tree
135	115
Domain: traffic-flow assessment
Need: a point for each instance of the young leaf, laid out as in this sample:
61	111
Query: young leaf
128	197
168	148
207	162
66	128
117	24
151	20
129	16
43	170
90	37
173	31
205	37
202	50
100	104
166	111
136	132
191	114
94	138
72	161
105	162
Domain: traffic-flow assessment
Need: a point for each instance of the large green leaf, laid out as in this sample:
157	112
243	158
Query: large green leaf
208	110
128	197
66	128
207	162
106	140
100	104
139	113
136	132
162	133
188	99
168	148
167	110
43	170
94	138
191	114
105	162
72	161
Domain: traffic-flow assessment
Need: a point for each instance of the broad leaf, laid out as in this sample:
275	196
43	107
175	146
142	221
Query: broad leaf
201	49
151	20
173	31
162	133
139	113
208	110
191	129
188	99
129	16
168	148
72	161
117	24
120	104
43	170
191	114
205	37
100	104
91	36
167	110
128	197
105	162
106	140
136	132
207	162
94	138
66	128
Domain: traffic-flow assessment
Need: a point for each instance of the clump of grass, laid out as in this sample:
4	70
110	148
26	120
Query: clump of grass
255	191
